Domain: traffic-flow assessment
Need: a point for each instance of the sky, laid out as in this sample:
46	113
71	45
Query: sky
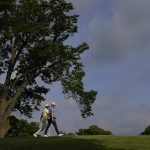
116	66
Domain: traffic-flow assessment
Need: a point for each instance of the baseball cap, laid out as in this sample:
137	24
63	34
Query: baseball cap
54	104
47	105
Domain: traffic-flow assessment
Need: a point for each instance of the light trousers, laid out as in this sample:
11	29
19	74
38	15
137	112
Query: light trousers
42	128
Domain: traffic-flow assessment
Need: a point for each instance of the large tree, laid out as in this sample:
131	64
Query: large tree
33	51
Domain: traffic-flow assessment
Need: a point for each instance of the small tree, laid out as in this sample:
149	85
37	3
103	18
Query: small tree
33	51
146	131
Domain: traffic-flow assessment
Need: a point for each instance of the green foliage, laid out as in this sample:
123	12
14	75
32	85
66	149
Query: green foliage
32	51
146	131
94	130
21	127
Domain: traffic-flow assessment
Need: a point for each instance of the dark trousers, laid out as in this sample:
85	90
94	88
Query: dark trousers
54	124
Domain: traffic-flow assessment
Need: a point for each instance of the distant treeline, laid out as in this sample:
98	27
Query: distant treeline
21	127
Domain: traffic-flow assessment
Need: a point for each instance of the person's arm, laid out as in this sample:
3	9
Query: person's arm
52	115
41	118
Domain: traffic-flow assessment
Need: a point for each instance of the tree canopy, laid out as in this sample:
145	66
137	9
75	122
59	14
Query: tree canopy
33	51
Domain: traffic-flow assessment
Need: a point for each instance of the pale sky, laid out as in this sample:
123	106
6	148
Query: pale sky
117	65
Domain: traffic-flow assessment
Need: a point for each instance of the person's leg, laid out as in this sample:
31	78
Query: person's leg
55	126
44	122
47	127
48	132
36	133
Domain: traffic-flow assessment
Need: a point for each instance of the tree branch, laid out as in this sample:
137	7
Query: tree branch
11	103
13	61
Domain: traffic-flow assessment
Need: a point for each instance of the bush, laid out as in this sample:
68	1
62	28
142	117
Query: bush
93	130
21	127
146	131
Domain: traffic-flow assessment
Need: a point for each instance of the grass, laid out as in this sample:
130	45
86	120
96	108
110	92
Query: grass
77	143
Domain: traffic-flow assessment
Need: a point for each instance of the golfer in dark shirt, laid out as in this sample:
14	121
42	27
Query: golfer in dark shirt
52	119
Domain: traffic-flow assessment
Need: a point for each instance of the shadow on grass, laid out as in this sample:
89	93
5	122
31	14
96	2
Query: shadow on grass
53	143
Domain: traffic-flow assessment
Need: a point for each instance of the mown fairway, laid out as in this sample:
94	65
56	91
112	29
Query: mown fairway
77	143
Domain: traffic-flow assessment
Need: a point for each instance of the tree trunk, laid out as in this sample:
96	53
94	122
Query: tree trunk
4	118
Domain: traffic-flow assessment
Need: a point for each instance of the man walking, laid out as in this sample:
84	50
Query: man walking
44	119
52	119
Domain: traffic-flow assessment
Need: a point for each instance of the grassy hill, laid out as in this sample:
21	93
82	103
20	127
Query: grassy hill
77	143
